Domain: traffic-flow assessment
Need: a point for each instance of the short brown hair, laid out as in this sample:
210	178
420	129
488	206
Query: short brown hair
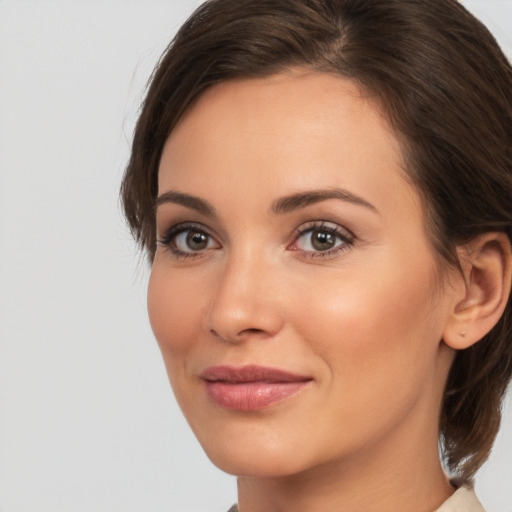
445	87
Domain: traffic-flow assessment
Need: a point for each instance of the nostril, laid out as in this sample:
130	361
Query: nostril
237	336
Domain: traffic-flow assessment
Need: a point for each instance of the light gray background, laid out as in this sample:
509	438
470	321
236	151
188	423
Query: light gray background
87	419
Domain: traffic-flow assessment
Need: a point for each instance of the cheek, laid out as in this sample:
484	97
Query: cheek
176	313
174	310
378	336
374	323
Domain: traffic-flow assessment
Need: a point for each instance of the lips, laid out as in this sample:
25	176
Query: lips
250	388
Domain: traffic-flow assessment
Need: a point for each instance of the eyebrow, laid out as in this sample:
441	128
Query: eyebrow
192	202
302	199
279	207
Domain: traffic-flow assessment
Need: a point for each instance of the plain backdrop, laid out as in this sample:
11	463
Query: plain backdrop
87	419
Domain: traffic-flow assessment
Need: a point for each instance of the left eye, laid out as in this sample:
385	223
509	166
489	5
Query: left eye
321	239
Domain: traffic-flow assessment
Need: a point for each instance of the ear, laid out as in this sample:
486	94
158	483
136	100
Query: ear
481	290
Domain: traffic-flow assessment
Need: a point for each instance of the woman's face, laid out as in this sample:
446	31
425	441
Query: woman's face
294	293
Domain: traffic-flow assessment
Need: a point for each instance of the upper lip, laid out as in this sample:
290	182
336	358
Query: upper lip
250	373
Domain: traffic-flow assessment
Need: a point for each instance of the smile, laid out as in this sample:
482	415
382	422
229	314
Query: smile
250	388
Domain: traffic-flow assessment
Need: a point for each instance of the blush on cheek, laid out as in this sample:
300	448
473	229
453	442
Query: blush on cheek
167	313
171	325
373	319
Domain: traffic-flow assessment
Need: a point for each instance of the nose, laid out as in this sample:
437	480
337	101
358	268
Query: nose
246	301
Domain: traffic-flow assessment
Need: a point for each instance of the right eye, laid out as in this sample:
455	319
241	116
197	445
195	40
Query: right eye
185	241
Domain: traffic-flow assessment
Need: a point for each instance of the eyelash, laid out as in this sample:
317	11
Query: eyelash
342	235
169	239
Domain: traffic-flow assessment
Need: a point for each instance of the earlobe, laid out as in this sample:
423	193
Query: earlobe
482	290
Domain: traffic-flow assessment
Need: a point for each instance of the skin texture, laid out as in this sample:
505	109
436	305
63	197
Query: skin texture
364	321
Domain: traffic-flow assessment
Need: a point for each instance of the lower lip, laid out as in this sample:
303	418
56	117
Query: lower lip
251	396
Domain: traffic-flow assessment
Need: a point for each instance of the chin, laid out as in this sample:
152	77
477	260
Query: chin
255	457
256	466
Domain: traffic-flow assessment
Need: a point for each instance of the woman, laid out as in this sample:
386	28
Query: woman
324	191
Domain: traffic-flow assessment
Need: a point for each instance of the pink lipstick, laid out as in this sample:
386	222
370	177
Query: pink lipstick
249	388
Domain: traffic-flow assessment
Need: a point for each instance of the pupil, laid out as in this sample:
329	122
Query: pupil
323	241
197	241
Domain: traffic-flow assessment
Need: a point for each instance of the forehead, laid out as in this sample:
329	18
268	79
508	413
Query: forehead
282	134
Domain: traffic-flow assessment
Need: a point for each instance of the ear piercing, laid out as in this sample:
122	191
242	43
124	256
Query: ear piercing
463	334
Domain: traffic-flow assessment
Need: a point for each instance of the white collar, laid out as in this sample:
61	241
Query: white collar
462	500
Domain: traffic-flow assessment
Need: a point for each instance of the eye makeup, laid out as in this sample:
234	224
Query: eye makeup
313	239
